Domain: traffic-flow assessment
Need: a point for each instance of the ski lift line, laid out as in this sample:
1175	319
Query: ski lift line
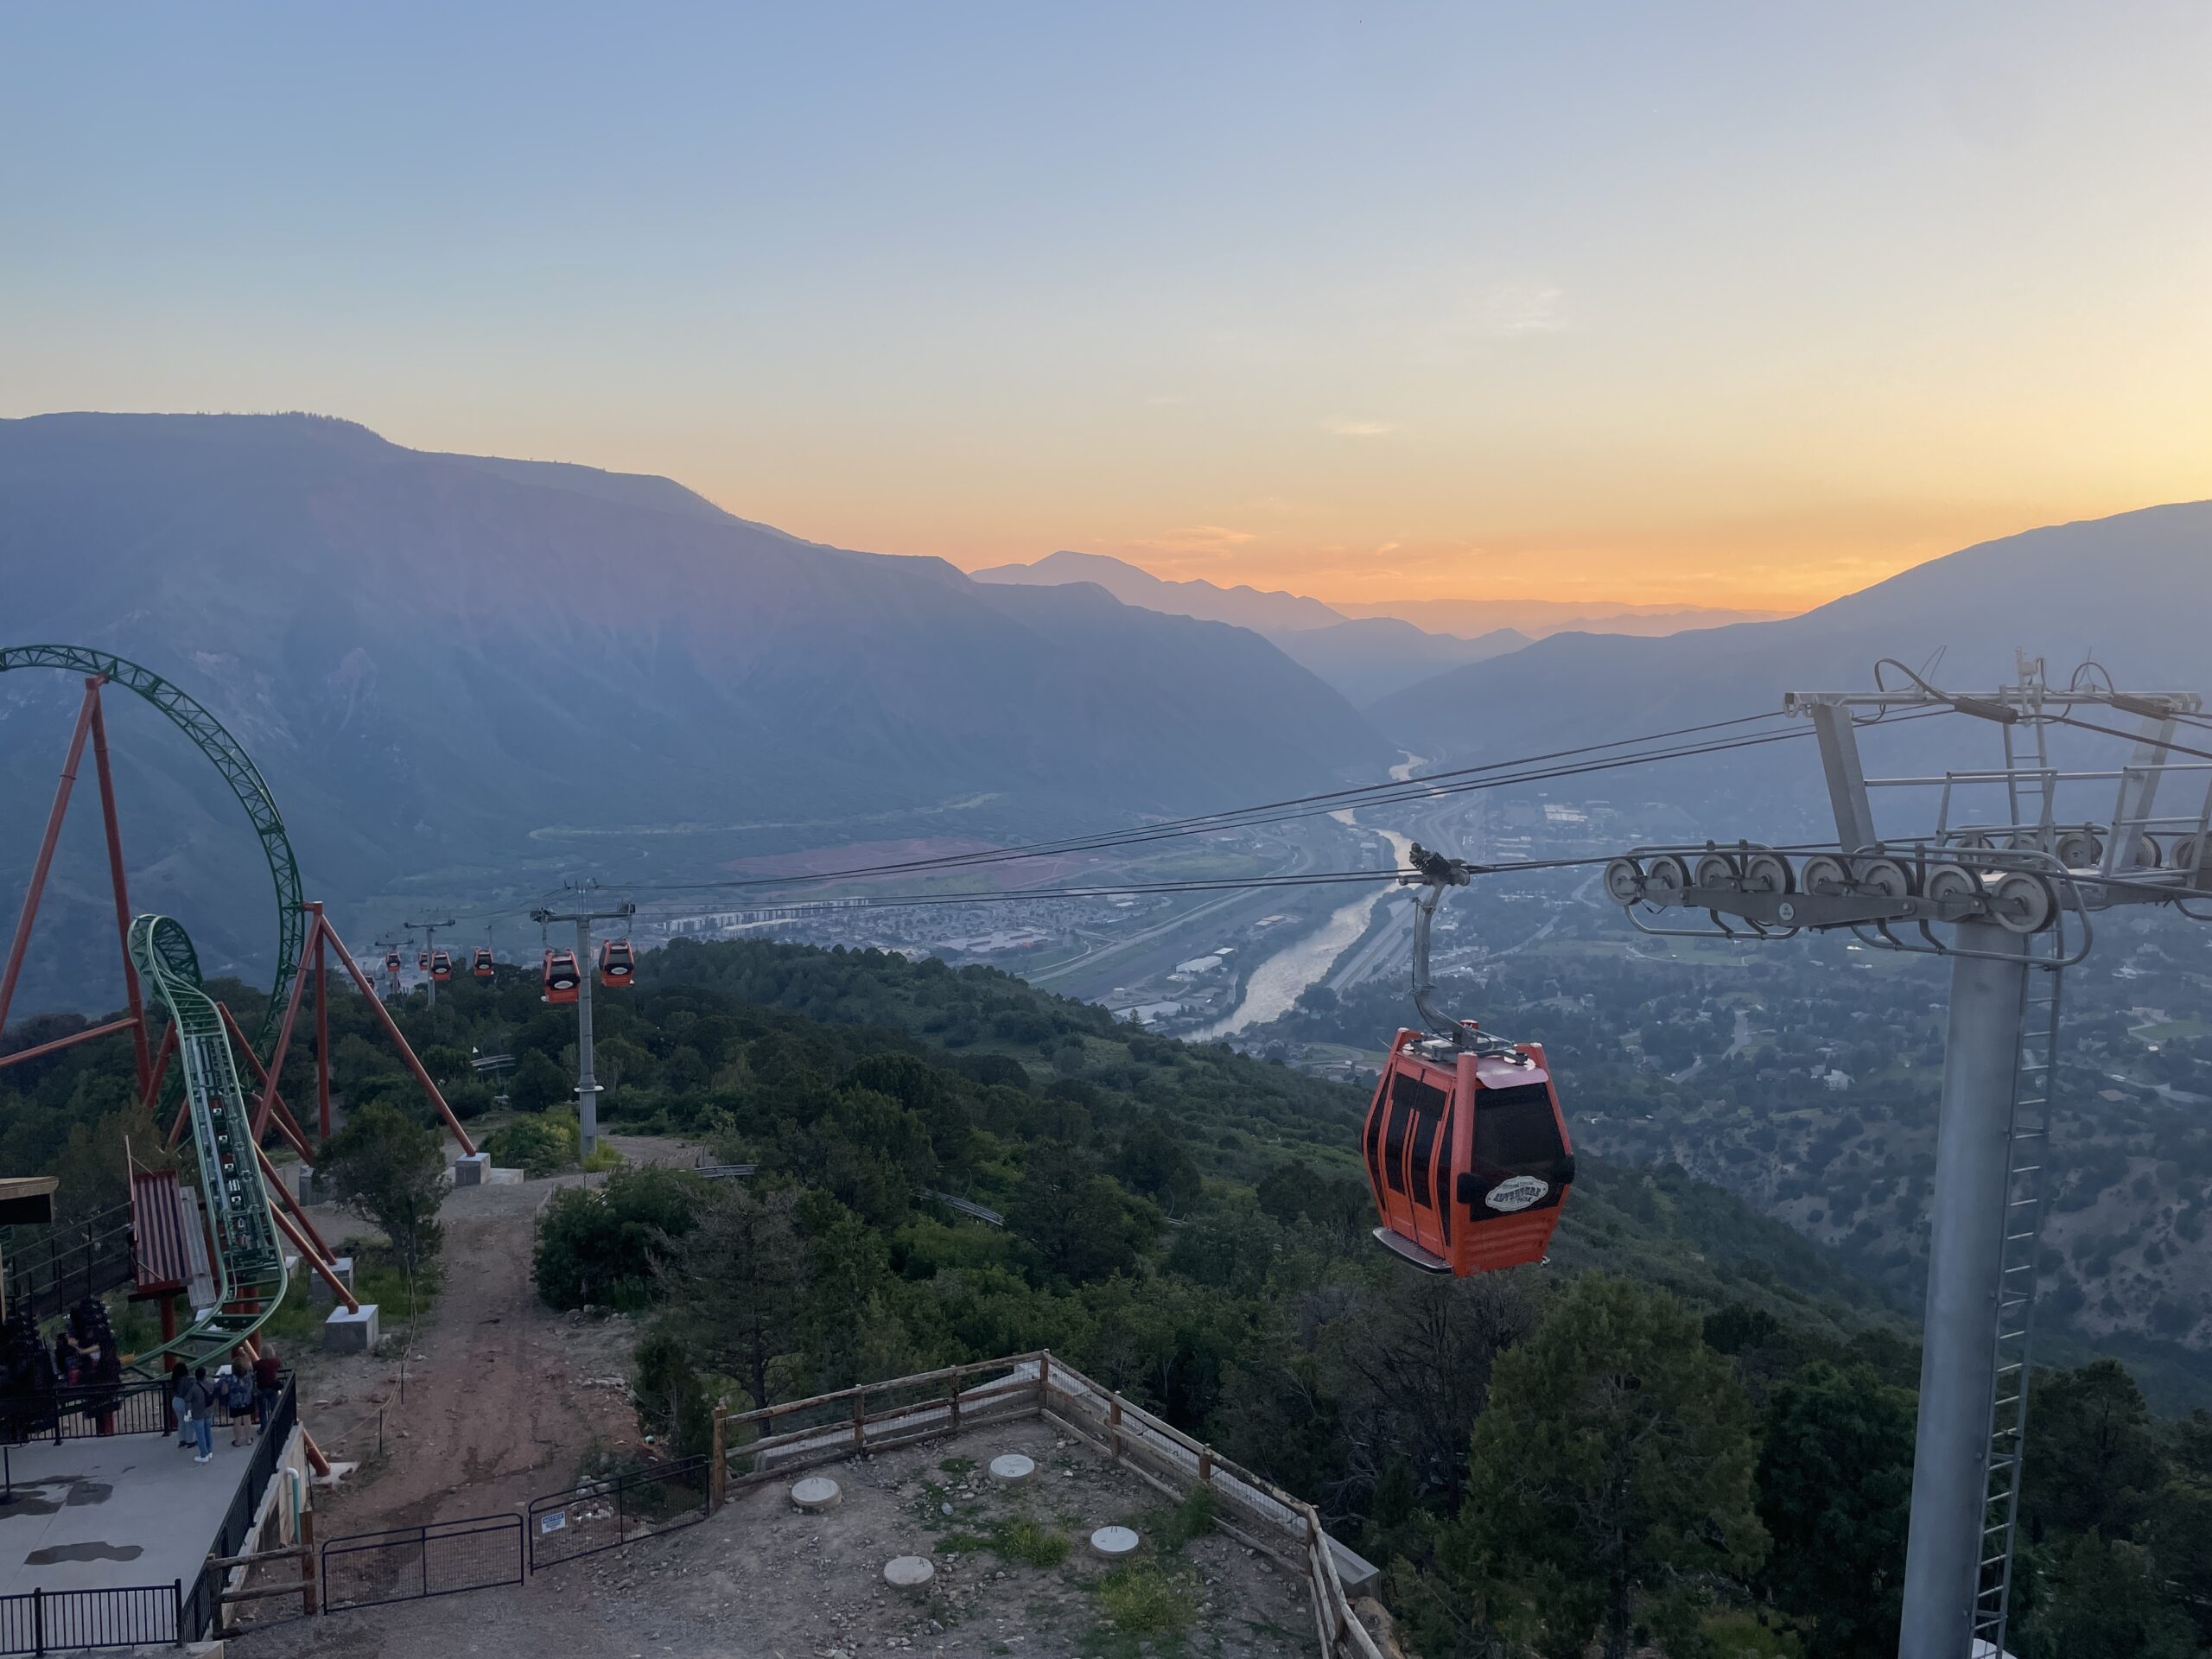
1410	791
2167	743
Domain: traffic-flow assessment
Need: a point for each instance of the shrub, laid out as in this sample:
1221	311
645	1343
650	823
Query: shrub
1142	1598
606	1248
537	1146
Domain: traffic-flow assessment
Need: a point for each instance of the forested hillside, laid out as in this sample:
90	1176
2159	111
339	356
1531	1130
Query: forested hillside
1189	1225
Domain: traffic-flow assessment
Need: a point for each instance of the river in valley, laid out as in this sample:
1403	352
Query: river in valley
1276	983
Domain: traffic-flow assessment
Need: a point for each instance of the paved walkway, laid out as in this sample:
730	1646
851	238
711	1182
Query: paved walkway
113	1511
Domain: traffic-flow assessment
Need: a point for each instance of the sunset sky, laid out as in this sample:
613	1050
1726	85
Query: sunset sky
1715	304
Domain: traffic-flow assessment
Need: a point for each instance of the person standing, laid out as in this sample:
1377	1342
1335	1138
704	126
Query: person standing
238	1398
198	1400
268	1386
178	1377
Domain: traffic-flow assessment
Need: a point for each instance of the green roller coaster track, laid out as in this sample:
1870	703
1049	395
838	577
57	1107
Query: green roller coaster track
248	1258
187	714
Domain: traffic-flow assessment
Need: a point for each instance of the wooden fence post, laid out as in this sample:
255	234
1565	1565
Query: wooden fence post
307	1560
1114	1427
1044	1380
859	1419
718	1468
952	1398
1206	1463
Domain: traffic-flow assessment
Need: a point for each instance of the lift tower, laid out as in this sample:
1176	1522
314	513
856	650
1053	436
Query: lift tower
587	1084
2014	879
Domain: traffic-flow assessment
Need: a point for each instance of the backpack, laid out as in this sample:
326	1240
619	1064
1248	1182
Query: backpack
237	1391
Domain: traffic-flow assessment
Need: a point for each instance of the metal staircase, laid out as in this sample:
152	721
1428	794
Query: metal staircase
2027	1161
247	1253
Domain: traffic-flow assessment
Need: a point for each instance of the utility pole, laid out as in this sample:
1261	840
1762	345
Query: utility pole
587	1084
2018	891
429	948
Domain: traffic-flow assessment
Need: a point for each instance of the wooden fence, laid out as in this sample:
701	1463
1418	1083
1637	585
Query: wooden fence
776	1441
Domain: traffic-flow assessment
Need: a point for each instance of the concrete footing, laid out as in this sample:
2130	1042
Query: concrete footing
1013	1469
469	1171
816	1493
910	1575
319	1287
1114	1543
346	1332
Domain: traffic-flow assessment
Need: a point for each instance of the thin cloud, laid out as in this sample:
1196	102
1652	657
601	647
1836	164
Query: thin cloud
1513	309
1361	428
1200	538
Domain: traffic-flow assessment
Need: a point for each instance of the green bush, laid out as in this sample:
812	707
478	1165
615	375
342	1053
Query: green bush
1143	1598
604	1247
537	1146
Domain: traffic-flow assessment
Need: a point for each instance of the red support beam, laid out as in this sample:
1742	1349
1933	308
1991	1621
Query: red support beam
398	1039
121	887
301	1231
287	1124
21	941
322	1027
84	1036
276	1055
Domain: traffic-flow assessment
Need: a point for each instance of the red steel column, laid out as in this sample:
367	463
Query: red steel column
22	938
145	1057
321	1026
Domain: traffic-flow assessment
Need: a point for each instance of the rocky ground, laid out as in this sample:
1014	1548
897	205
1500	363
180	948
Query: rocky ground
505	1399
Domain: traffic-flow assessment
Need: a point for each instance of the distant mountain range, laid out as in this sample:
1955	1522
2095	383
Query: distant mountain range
446	664
2132	591
1367	651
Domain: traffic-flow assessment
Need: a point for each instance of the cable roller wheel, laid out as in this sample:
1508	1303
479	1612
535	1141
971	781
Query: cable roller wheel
1713	870
1768	873
2023	904
1952	884
1665	879
2081	850
1826	873
1623	881
1885	876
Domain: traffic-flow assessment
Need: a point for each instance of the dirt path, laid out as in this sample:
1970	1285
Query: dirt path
503	1397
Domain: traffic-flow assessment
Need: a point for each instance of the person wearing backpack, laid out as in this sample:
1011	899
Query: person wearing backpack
196	1399
237	1399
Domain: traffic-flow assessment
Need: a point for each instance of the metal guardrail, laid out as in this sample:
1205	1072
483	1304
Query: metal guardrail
201	1604
875	1416
602	1515
51	1268
443	1558
70	1621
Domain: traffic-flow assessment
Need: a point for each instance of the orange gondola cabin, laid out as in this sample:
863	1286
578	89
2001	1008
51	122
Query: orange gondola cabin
391	963
440	965
1465	1147
1467	1152
562	982
480	965
617	964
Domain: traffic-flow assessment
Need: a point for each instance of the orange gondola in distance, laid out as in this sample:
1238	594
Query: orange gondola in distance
617	964
562	982
1467	1152
480	965
441	965
422	960
392	962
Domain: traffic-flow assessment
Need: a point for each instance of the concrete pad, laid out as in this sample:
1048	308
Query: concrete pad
503	1178
1114	1543
346	1332
113	1510
469	1170
1013	1469
910	1575
303	1185
816	1493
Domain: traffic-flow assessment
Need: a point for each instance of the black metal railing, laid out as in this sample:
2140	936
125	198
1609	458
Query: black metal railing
98	1408
69	1621
619	1509
196	1616
443	1558
50	1269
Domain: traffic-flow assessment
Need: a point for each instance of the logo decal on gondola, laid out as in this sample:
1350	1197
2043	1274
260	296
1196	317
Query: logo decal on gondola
1517	1194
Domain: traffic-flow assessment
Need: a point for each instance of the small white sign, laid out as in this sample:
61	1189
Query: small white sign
1517	1194
553	1522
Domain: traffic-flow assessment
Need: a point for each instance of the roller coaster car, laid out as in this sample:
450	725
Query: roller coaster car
441	966
1467	1152
617	963
480	965
562	982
